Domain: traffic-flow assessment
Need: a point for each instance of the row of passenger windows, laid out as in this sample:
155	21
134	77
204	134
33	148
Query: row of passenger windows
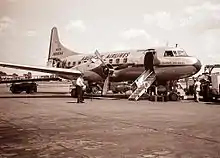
117	61
74	63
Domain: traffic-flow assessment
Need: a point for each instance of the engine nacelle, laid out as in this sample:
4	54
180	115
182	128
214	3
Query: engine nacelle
108	70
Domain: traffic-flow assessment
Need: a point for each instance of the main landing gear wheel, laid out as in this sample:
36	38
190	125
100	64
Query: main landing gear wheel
29	91
173	97
95	89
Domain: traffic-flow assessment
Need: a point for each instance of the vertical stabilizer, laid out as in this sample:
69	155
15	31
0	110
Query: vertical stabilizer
56	49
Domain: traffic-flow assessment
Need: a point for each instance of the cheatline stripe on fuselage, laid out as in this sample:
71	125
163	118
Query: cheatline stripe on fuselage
142	65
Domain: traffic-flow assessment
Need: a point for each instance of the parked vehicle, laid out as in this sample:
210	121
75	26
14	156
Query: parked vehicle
28	87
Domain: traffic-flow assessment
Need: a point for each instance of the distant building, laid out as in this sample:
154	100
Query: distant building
6	77
2	73
28	75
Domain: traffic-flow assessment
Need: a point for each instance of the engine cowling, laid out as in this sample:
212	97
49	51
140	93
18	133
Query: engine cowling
108	69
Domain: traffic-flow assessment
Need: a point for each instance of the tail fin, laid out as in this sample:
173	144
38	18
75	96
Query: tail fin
56	49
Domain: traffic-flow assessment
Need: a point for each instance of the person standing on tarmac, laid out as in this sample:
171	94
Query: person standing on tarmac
197	90
80	87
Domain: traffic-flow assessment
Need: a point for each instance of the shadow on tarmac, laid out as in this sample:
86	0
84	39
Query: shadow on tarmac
213	103
62	95
95	98
59	96
35	96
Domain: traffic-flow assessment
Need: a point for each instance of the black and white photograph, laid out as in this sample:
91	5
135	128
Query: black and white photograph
109	79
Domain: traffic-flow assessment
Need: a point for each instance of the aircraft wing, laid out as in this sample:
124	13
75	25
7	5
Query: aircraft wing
67	73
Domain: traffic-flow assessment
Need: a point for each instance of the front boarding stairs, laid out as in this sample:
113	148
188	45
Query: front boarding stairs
143	82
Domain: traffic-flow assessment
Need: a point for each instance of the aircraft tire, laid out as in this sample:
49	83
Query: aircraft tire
14	91
35	90
95	89
28	91
115	92
173	97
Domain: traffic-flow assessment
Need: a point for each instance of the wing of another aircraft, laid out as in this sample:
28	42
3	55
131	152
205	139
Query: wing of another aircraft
30	80
73	73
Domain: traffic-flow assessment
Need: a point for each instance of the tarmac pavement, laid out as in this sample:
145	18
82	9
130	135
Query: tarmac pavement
106	127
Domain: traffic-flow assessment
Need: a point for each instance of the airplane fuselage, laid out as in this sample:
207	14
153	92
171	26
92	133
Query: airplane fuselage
128	65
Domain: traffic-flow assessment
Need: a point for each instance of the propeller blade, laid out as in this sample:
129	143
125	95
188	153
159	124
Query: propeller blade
106	83
105	87
99	57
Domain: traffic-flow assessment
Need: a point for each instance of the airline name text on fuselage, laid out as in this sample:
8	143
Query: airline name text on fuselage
113	55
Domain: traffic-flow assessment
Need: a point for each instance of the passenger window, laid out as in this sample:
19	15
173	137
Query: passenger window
125	60
110	61
85	61
79	62
168	54
117	61
58	64
74	63
69	64
63	64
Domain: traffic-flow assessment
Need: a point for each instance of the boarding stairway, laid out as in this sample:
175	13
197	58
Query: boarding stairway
143	82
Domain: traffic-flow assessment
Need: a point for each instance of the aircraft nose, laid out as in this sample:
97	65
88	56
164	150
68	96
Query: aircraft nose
198	65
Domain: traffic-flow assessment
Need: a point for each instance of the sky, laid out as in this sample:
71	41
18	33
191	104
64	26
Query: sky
107	25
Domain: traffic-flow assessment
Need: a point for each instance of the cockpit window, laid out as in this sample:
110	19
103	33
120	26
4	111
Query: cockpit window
176	53
181	53
168	53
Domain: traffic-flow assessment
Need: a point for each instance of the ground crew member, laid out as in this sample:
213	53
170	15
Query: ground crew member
80	87
197	90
